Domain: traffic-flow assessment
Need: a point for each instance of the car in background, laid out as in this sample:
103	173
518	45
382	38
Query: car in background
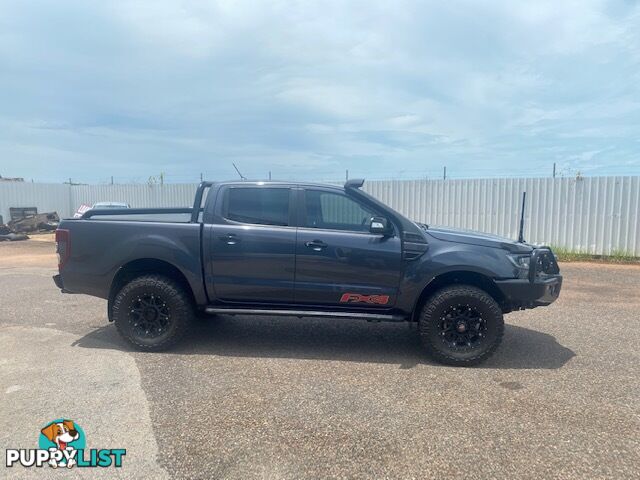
82	209
103	205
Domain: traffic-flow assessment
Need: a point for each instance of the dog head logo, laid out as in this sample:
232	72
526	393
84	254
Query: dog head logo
63	435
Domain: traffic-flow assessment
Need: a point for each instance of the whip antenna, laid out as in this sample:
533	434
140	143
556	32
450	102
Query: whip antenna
521	233
241	176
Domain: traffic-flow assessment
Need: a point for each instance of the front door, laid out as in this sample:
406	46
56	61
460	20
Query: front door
339	262
252	245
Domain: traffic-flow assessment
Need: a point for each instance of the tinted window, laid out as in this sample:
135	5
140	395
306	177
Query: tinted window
263	206
336	212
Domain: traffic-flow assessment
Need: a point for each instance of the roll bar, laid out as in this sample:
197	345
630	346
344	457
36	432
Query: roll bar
194	211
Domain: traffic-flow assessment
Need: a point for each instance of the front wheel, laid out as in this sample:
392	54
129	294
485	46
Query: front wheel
152	312
461	325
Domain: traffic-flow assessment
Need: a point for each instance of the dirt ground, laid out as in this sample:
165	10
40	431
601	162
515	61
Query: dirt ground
249	397
38	251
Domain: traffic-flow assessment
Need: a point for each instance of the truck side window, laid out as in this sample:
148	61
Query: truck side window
334	211
260	206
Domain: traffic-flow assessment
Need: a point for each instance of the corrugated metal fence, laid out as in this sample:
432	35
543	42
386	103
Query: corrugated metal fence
597	215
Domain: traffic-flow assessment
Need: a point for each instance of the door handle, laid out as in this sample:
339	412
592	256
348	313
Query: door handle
230	239
316	245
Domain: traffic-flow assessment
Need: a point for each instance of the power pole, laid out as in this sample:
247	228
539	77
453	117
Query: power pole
347	175
554	169
444	174
111	179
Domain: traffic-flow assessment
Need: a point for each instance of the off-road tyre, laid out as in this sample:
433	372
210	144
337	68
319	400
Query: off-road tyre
154	304
478	325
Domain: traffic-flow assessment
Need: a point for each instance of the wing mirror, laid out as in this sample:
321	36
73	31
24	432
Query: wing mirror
380	225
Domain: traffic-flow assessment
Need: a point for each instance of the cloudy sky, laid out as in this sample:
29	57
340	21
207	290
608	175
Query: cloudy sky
389	89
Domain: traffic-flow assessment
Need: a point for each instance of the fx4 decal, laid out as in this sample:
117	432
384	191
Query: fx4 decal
359	298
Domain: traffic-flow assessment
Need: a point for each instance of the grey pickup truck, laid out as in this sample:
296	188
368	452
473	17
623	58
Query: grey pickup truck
301	249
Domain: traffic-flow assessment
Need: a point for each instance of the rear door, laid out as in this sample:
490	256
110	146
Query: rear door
252	245
338	261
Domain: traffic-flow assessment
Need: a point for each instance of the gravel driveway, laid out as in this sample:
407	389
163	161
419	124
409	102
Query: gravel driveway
247	397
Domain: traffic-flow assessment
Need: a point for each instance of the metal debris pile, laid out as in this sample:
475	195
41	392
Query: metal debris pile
18	227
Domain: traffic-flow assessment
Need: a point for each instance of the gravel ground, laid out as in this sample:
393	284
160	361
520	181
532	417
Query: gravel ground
247	397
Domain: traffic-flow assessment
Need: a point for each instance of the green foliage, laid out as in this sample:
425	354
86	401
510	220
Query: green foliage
615	256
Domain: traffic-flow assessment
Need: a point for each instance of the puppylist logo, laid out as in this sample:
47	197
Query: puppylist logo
62	443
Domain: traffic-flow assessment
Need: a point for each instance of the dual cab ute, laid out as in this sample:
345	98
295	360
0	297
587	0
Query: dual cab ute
307	250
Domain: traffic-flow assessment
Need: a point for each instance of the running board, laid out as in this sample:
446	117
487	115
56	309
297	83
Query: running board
371	317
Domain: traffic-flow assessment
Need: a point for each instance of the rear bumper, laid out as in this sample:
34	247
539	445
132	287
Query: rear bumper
57	279
521	293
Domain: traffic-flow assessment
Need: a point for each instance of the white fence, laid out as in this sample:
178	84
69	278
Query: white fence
597	215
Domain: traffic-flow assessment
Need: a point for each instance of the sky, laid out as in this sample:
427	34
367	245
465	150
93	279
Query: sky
307	90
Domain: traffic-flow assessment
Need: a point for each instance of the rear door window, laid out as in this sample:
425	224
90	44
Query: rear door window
258	206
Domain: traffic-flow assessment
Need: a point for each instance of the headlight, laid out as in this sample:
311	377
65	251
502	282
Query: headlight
521	262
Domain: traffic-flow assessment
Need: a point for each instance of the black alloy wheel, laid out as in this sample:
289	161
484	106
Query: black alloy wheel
461	325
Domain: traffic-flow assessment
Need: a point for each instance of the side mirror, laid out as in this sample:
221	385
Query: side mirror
380	225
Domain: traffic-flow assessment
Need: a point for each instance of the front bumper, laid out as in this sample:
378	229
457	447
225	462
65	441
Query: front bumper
542	287
521	293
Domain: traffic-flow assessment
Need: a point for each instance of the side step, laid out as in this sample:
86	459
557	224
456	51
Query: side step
371	317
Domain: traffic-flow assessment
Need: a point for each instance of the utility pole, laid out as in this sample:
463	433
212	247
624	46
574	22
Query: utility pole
346	175
111	179
554	169
444	174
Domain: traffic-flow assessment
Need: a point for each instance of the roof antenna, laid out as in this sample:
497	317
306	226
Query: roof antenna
241	176
521	234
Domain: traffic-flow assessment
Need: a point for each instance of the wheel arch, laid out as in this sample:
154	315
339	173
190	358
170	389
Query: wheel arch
142	266
457	277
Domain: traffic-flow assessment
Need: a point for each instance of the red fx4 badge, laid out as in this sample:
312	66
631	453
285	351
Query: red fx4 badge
359	298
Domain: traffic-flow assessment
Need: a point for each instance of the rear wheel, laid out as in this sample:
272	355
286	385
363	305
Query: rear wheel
461	325
152	312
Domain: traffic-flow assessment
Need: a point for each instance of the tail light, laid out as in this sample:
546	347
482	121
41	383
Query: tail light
63	246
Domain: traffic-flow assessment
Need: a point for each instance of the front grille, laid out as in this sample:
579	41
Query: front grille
543	262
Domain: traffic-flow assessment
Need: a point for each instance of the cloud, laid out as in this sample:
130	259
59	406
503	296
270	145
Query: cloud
309	89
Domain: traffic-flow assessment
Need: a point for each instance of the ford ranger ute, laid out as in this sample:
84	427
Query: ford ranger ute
304	250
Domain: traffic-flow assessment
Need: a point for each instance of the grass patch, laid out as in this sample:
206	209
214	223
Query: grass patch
616	256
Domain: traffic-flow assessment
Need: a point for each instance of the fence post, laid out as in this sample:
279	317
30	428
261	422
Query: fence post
71	200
